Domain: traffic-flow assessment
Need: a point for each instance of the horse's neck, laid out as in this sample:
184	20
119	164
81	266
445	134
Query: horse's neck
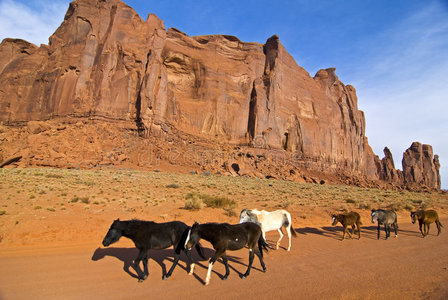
207	232
129	229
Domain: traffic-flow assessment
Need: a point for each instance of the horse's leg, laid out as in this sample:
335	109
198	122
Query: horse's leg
348	231
396	229
145	264
344	232
226	263
439	225
378	229
420	223
385	229
176	260
427	231
359	230
210	266
190	262
251	260
288	231
260	257
281	236
140	274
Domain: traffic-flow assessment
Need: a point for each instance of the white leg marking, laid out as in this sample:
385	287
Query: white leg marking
191	269
209	273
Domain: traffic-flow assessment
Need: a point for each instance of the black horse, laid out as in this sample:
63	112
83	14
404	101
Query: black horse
228	237
150	235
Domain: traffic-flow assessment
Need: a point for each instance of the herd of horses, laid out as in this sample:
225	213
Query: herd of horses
250	232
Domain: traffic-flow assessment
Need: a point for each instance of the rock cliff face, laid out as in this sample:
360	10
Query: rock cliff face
420	166
105	63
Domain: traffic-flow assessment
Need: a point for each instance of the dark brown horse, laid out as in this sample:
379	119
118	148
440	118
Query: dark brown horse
224	237
348	219
148	235
426	217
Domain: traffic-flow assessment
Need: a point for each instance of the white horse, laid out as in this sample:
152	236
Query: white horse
269	221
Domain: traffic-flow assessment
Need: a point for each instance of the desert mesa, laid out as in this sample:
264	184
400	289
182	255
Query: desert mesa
111	89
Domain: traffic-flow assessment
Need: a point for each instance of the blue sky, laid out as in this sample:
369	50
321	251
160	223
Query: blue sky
395	53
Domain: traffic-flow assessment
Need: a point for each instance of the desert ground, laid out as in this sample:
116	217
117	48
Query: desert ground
52	222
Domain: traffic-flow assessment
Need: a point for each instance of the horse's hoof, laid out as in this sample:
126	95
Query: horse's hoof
165	277
243	277
224	278
264	270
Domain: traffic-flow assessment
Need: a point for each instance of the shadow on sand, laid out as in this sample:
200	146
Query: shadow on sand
369	232
128	255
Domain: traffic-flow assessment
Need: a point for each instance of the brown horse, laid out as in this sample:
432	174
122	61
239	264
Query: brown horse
348	219
426	217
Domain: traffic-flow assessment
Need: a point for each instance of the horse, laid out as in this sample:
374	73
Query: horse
269	221
349	219
426	217
386	217
224	237
148	235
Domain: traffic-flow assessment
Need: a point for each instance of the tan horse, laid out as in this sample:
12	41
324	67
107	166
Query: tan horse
426	217
349	219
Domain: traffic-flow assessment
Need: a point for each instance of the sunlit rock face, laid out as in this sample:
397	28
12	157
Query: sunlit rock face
105	63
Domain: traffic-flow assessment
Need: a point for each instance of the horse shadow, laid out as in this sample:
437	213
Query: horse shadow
334	232
128	255
372	231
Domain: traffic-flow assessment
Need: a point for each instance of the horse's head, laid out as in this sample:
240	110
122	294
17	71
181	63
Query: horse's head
334	220
244	216
374	215
192	237
114	233
413	216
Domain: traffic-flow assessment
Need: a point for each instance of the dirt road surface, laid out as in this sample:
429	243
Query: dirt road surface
319	266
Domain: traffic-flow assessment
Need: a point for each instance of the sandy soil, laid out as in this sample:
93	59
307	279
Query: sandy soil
319	266
52	223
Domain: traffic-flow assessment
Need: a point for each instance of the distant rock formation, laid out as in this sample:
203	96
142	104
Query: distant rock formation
421	167
387	171
250	100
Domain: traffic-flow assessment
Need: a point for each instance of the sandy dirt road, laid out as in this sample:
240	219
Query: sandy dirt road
319	266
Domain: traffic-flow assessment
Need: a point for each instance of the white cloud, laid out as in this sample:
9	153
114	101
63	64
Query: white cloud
33	21
402	85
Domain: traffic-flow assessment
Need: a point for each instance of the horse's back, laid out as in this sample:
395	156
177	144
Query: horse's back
162	235
430	215
274	220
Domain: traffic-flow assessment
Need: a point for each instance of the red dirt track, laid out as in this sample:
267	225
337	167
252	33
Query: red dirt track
319	266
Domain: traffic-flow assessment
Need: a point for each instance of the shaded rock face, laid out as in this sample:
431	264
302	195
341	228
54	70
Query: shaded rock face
387	170
421	167
105	62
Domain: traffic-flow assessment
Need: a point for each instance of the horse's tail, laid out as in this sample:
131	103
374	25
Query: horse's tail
263	245
288	222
